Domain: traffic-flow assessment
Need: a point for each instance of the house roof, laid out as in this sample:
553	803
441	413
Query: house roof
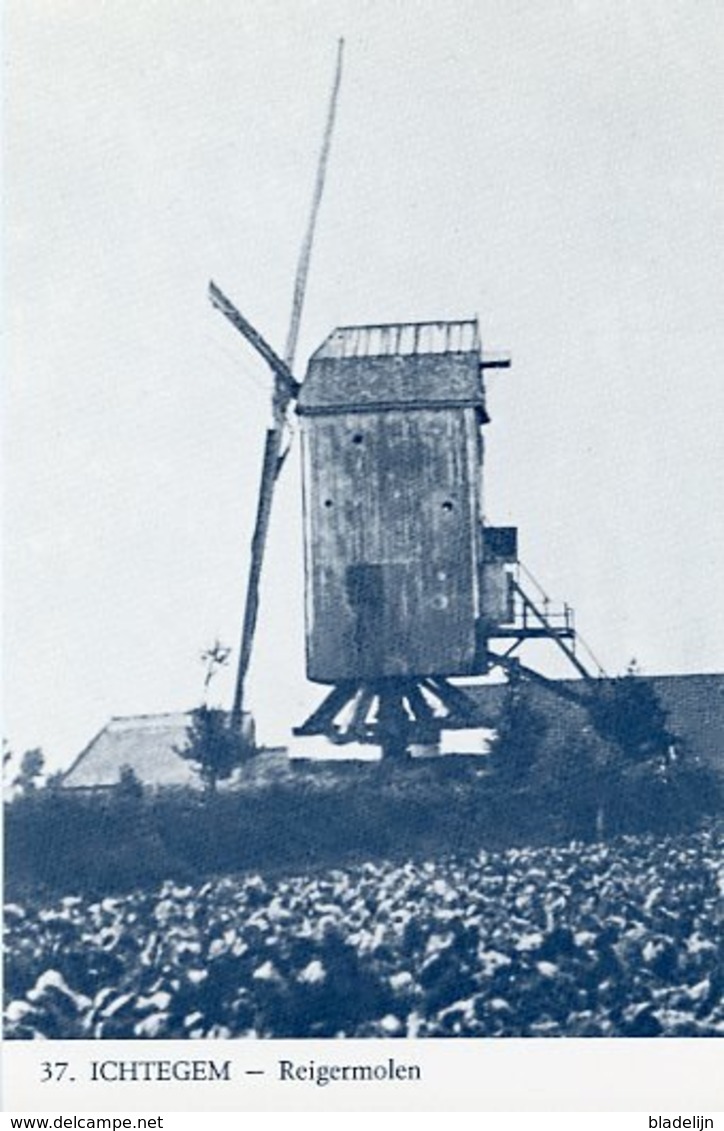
694	705
144	743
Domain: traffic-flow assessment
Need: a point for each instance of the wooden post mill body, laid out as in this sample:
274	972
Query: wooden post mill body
404	584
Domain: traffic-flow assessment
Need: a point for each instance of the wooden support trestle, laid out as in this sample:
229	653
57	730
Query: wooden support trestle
392	713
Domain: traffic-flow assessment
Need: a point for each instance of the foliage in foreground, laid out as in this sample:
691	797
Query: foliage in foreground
617	769
602	940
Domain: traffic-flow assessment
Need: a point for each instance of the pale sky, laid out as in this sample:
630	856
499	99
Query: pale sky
554	168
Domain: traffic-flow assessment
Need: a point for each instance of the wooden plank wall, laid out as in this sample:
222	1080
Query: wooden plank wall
391	542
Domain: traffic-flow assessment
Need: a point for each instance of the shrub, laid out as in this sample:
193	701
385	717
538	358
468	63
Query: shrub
521	730
214	744
114	840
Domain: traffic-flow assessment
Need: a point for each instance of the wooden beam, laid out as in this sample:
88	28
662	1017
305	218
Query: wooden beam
254	338
321	719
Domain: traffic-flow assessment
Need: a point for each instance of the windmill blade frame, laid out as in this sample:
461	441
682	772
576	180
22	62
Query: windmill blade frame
282	373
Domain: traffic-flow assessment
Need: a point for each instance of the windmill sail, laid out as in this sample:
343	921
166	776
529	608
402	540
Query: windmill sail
285	390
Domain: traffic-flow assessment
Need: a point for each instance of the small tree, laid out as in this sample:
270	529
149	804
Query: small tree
520	732
214	745
627	713
213	659
7	765
651	780
54	781
32	764
130	787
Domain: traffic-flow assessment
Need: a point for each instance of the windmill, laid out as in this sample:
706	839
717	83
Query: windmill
407	587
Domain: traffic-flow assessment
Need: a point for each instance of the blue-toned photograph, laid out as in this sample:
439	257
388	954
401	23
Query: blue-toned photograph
364	673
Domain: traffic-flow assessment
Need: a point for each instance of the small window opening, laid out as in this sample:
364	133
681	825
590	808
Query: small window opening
357	438
447	505
328	503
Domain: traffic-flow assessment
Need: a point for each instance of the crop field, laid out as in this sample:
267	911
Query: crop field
617	939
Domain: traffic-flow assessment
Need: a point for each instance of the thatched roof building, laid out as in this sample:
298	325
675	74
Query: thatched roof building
146	744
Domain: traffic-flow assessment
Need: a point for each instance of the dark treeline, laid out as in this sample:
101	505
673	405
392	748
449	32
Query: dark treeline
317	815
615	768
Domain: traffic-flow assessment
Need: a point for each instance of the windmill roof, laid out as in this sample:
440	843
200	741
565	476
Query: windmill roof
402	339
396	365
